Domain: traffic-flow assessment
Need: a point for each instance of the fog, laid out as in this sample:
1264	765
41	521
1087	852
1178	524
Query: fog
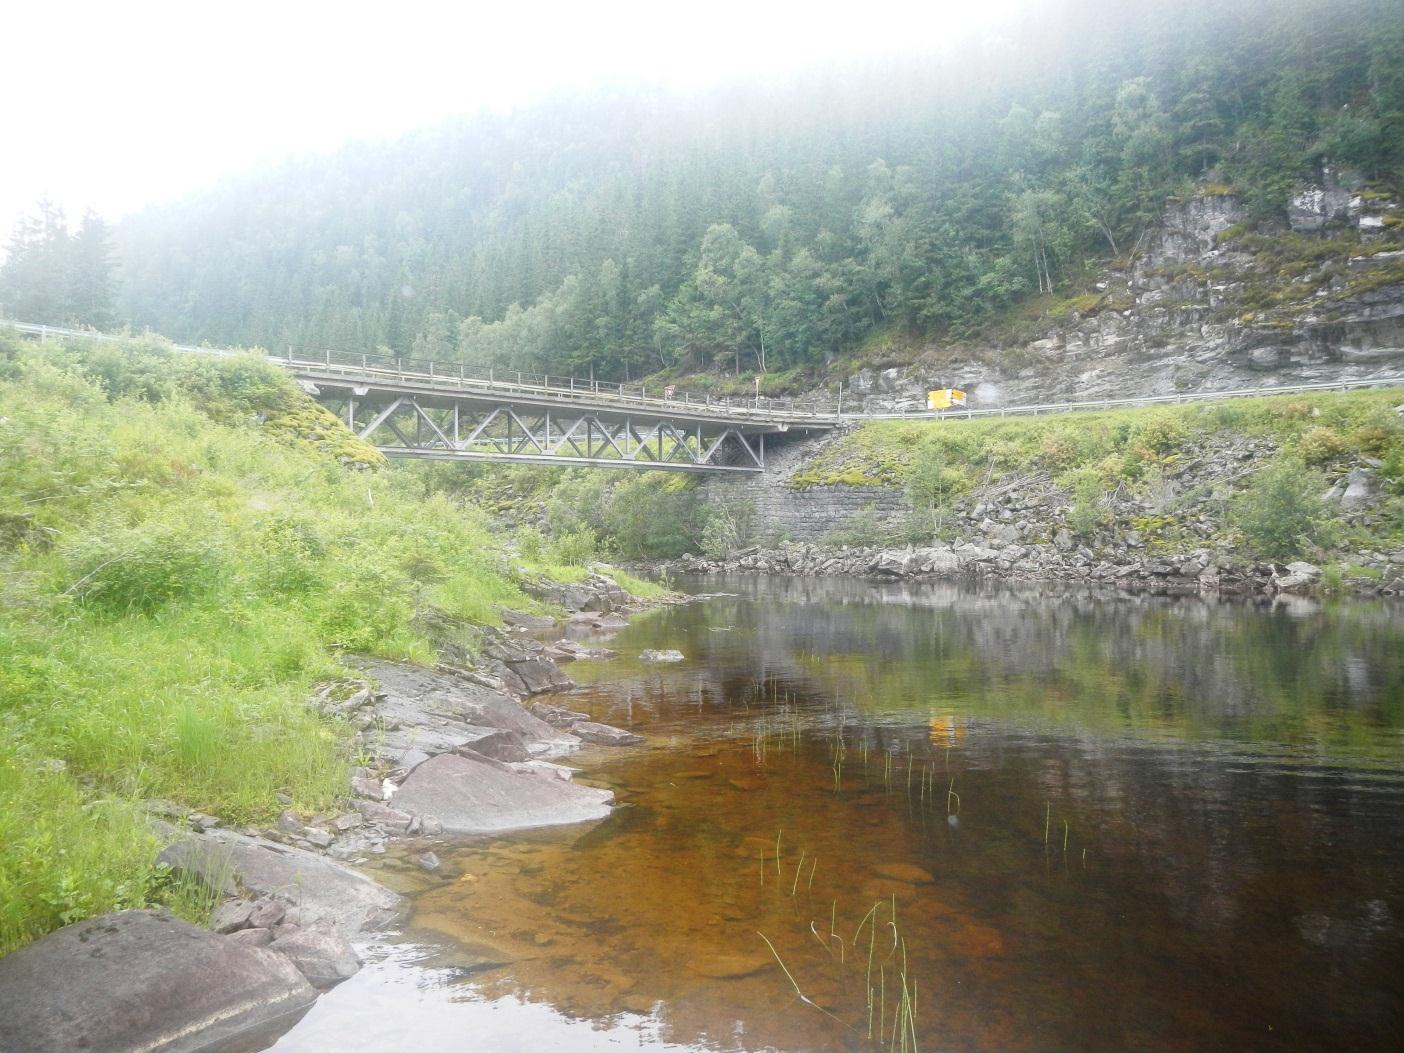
118	106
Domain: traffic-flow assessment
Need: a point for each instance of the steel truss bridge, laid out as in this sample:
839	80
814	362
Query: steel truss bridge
429	411
445	418
422	410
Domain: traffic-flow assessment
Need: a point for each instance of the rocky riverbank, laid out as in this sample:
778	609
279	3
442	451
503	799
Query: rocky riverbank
1202	570
1026	529
451	751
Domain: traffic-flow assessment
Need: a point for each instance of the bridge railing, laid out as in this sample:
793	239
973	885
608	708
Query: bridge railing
456	373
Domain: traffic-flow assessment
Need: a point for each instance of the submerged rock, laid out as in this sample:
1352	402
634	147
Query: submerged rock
558	716
144	980
660	656
731	966
470	796
605	734
912	875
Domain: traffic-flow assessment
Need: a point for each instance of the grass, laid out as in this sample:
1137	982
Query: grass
635	586
1115	444
187	547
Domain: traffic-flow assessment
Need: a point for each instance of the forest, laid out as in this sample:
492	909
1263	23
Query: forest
761	227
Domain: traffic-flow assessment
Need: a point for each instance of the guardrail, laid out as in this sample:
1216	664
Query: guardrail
1036	409
761	408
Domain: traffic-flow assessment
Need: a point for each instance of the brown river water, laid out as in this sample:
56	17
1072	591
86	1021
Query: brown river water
927	817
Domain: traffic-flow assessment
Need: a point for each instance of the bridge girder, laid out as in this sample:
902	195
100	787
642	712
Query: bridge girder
435	428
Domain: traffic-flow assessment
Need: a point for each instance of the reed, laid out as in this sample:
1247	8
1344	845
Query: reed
798	993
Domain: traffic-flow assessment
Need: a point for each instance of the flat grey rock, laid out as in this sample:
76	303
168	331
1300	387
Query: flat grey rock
660	656
471	796
451	702
142	981
323	888
321	953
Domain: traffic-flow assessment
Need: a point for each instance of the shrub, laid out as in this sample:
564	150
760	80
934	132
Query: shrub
63	858
576	547
651	515
142	568
728	526
531	543
1320	445
1089	511
1162	434
932	484
1281	511
1058	450
287	554
865	528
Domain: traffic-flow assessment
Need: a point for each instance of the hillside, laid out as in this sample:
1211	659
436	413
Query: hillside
1212	302
187	546
1199	497
775	230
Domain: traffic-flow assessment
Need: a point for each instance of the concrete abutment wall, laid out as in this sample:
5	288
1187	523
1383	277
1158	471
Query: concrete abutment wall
809	514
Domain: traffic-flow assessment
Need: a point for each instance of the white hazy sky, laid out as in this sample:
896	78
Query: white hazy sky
120	105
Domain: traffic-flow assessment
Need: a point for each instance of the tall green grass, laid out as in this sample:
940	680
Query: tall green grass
186	548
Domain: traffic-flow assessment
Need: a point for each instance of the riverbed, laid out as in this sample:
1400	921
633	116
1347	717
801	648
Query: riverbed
935	817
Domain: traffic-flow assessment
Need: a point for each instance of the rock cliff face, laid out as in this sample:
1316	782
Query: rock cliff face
1207	302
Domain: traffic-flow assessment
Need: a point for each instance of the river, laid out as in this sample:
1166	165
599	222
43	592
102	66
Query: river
939	818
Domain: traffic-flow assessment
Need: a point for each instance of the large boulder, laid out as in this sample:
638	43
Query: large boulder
1359	489
453	703
473	795
142	980
892	563
321	952
323	888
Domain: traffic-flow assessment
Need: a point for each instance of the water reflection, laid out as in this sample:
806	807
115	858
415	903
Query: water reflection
403	1000
1082	822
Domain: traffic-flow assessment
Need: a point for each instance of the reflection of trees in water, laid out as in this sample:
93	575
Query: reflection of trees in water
1191	745
1184	665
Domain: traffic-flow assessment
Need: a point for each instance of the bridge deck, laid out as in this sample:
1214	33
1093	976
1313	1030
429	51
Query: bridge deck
600	402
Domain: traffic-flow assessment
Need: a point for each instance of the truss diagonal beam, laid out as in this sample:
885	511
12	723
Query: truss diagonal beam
420	425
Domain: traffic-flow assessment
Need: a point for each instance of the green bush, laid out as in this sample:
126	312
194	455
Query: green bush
1089	510
139	569
575	548
729	526
932	485
1320	445
62	858
1280	511
865	528
531	543
651	515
